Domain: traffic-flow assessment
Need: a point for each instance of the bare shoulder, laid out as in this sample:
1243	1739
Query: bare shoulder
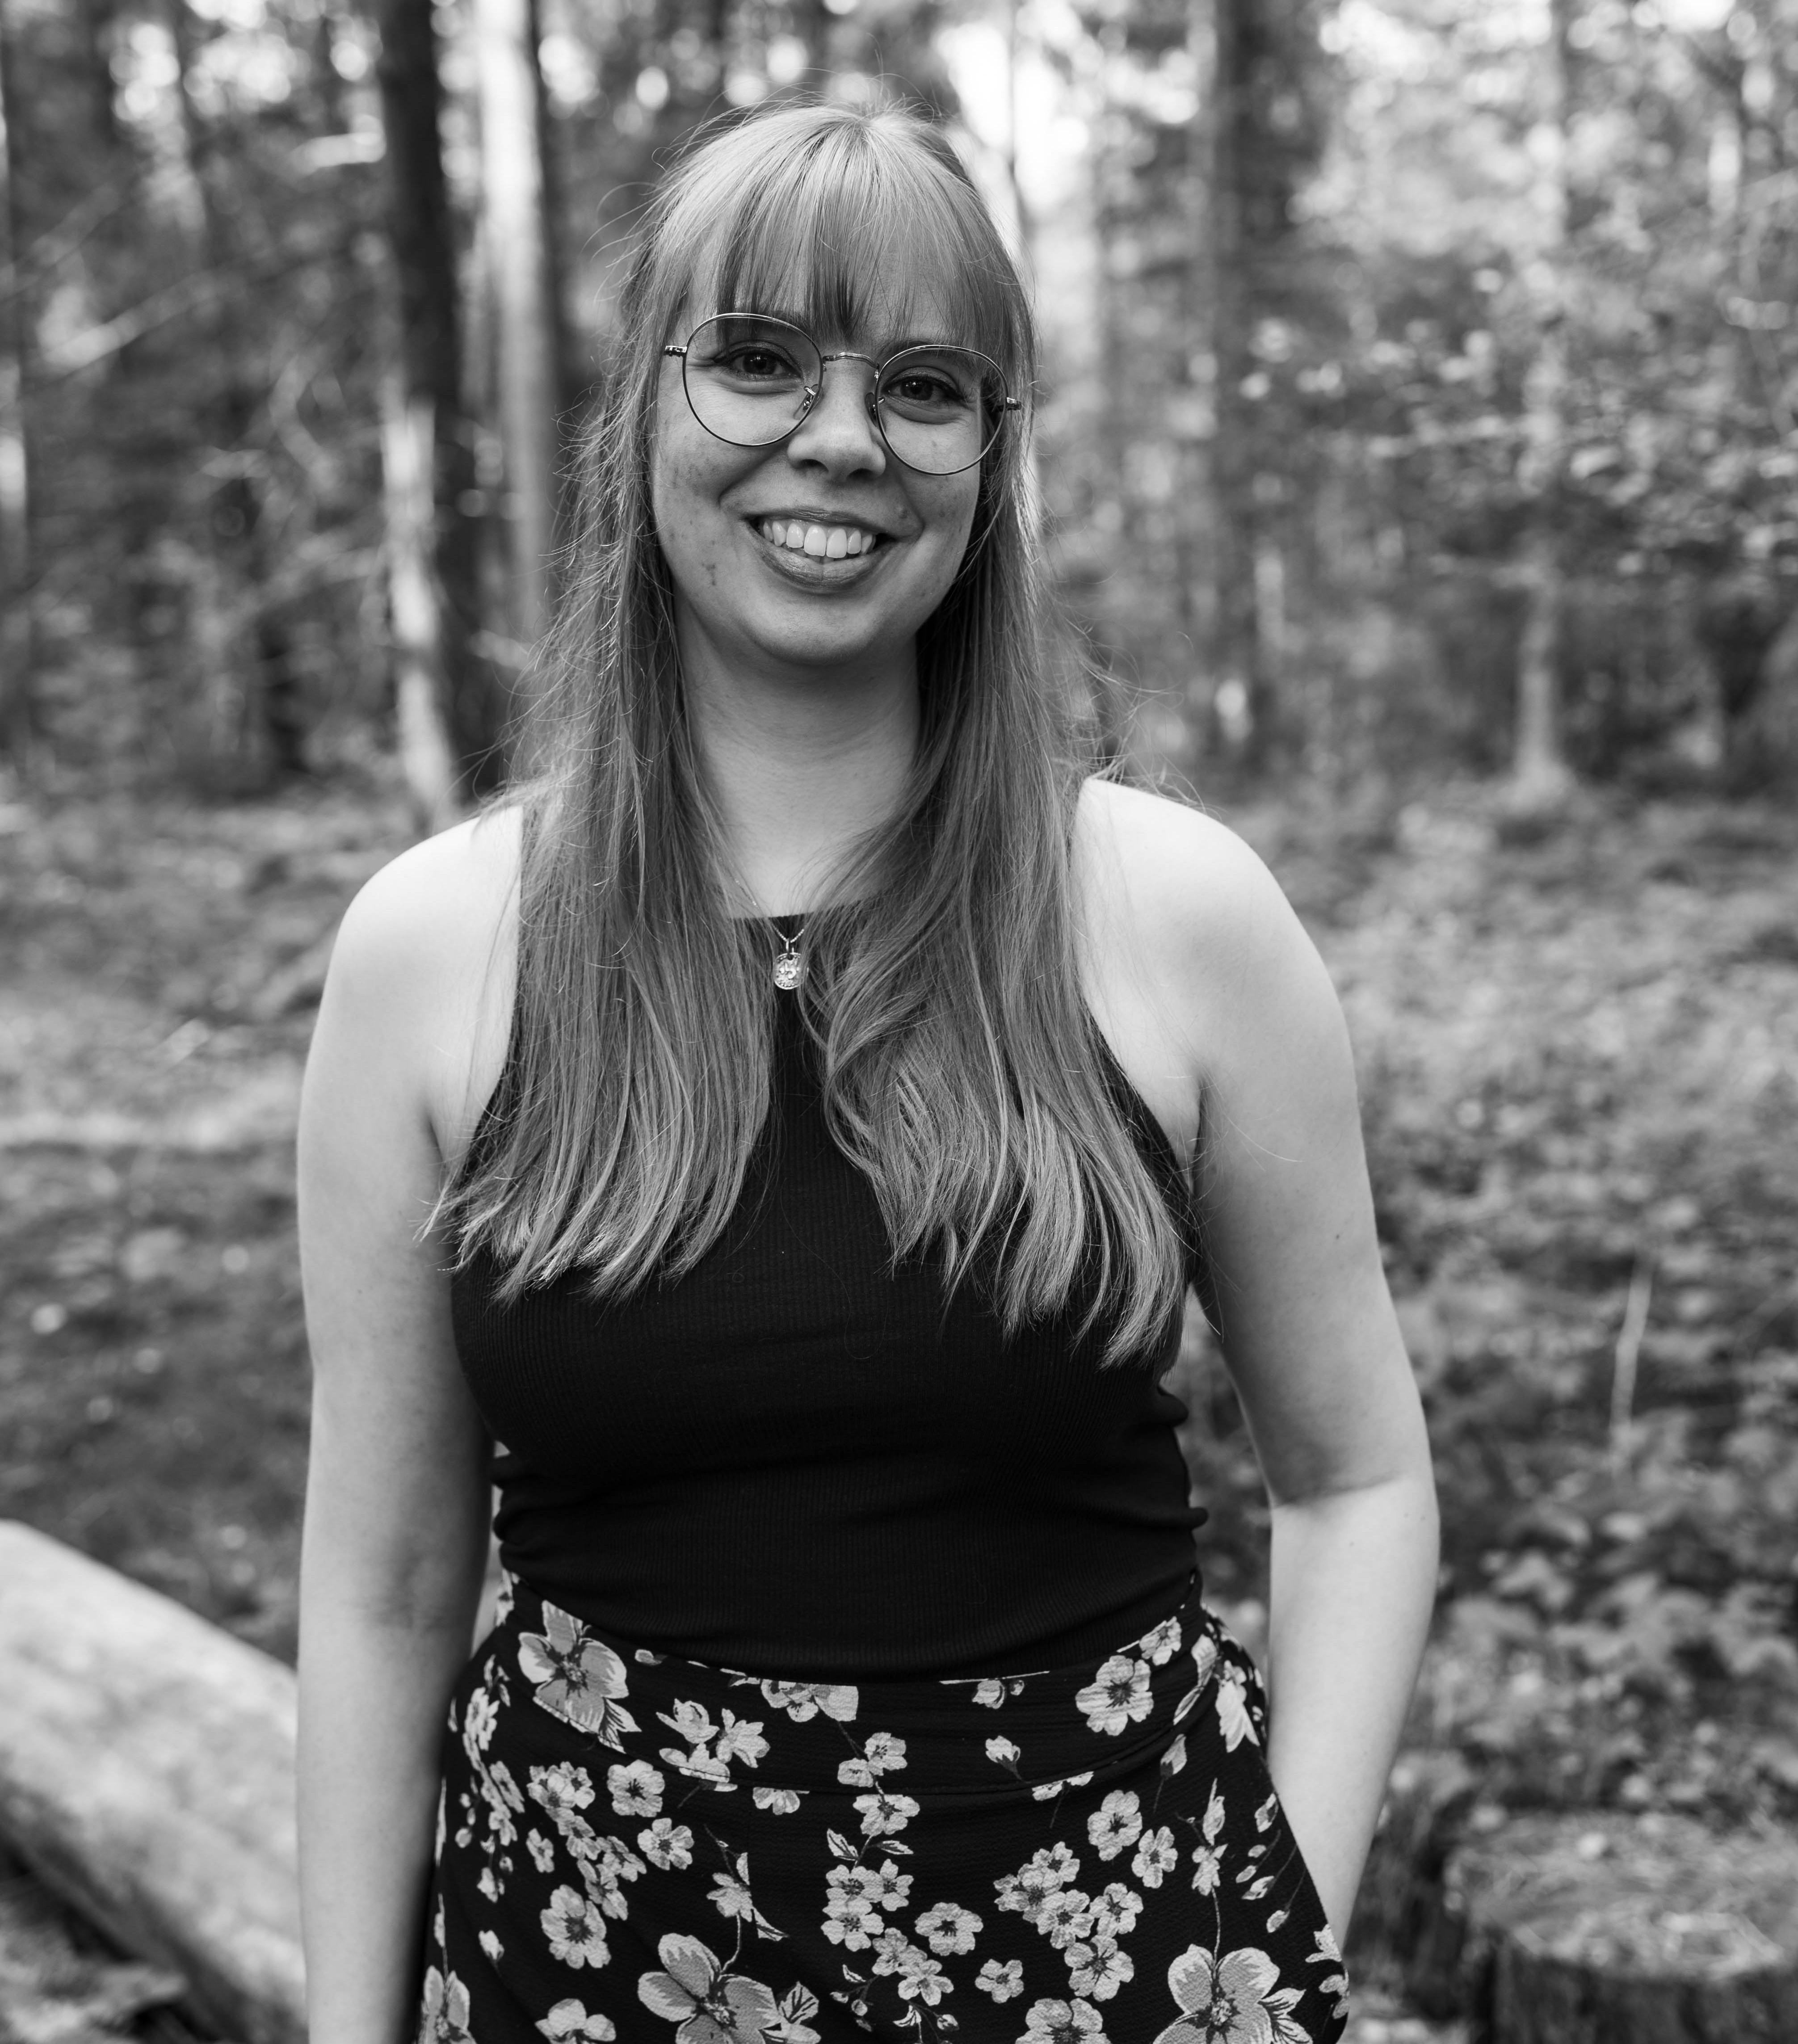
421	981
1180	907
1180	882
442	901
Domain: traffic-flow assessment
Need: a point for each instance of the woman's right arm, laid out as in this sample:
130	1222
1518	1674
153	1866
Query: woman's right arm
397	1497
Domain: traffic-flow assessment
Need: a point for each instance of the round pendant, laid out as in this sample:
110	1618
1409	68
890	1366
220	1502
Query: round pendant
789	969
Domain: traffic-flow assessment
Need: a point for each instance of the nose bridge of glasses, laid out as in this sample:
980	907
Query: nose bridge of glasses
814	394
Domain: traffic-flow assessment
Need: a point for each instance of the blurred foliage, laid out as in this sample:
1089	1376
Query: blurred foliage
208	310
1580	1074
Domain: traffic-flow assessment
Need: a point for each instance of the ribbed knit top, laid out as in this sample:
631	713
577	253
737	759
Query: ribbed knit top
797	1459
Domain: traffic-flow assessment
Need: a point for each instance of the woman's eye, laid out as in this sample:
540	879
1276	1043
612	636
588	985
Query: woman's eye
758	363
920	388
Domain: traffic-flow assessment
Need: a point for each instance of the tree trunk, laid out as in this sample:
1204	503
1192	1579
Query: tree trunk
427	758
1241	711
1540	778
518	284
249	725
570	377
470	703
18	604
1602	1929
147	1774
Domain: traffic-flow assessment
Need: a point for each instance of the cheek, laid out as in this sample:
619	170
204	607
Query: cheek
683	494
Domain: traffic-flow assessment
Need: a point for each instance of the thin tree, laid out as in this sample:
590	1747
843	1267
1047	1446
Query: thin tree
518	281
19	636
1540	777
451	706
1242	709
241	643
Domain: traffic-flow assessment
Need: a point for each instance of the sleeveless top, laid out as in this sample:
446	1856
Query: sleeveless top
799	1459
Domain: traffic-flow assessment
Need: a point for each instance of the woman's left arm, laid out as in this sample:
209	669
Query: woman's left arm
1314	1349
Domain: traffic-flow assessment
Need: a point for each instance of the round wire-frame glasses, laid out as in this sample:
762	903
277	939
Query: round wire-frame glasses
751	380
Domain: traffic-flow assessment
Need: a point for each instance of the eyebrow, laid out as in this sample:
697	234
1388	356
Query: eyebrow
795	318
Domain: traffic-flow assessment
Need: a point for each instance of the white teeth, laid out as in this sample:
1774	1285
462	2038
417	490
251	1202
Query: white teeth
832	542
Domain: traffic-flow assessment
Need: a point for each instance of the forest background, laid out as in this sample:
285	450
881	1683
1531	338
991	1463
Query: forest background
1416	444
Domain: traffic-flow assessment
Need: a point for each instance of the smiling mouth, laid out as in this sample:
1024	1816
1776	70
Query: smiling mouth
818	542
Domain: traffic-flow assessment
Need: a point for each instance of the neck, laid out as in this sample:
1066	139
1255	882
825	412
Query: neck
801	766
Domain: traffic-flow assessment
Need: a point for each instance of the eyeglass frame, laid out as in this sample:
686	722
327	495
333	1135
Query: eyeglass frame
1007	404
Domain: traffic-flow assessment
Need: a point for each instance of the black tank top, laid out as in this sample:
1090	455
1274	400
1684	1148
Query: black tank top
799	1460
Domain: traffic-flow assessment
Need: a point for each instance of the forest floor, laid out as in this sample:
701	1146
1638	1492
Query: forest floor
1579	1059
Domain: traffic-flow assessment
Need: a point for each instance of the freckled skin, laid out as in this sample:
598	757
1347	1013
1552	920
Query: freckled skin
735	608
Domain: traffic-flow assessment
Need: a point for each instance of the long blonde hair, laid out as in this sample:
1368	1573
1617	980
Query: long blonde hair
961	1071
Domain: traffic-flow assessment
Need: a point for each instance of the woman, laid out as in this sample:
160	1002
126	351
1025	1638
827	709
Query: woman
779	1128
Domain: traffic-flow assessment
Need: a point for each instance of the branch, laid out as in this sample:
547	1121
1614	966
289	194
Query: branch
55	244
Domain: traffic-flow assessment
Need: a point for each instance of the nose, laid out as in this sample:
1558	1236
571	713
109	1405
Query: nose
839	434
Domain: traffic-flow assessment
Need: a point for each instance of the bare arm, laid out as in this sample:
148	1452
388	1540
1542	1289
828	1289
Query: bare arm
1315	1352
396	1497
1220	999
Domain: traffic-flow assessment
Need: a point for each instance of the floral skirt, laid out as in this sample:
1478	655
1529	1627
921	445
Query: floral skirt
634	1847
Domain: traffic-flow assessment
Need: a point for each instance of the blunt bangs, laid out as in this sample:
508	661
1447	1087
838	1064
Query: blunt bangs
847	228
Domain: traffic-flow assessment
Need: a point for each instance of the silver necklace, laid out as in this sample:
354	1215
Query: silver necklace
789	966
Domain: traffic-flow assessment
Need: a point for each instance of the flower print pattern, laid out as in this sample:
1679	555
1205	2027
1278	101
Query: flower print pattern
881	1753
857	1894
1114	1911
1232	2001
1116	1824
802	1701
1336	1984
563	1791
636	1789
1098	1970
945	1927
1117	1696
1233	1713
569	2019
1075	2022
1159	1645
443	2016
712	1747
575	1929
883	1814
579	1678
1003	1979
1205	1666
667	1845
1047	1791
711	2005
1156	1857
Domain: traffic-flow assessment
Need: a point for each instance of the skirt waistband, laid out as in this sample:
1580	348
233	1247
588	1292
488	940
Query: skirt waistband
1046	1731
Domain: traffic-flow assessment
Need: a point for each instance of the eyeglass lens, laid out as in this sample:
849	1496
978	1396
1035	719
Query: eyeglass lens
751	379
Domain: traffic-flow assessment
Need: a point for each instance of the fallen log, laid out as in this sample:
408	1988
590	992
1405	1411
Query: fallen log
147	1775
1607	1929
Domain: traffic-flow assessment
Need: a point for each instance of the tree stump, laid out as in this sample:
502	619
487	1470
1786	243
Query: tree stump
1606	1929
1398	1926
147	1774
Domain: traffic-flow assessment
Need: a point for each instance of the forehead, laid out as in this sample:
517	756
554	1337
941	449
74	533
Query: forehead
853	271
878	325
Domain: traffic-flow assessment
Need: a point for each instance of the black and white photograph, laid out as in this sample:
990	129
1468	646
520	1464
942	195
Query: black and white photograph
899	1021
